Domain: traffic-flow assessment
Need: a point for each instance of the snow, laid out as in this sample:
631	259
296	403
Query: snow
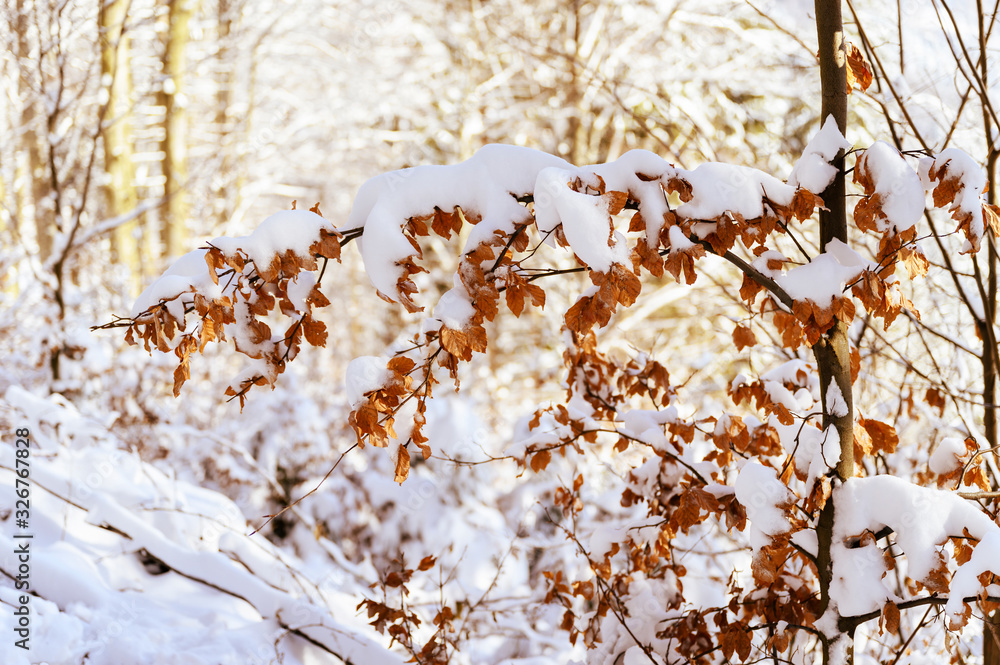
224	594
921	519
602	540
678	241
824	277
188	273
791	371
454	309
584	218
622	176
647	598
813	170
288	230
969	200
761	263
763	495
647	426
948	456
897	184
835	403
299	288
807	540
721	188
488	184
965	583
365	374
779	394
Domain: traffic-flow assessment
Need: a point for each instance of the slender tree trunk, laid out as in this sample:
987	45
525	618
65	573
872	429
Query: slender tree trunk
173	229
8	232
576	131
227	191
989	358
990	351
991	638
38	168
833	349
991	622
119	191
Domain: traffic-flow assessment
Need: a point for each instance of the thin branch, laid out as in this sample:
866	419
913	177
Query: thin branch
915	602
329	473
978	496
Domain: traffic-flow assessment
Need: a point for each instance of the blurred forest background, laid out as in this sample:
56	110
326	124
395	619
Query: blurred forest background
132	131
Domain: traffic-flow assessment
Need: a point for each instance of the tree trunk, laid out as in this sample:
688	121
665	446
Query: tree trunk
991	639
833	349
227	190
991	623
38	168
119	191
574	96
174	146
5	217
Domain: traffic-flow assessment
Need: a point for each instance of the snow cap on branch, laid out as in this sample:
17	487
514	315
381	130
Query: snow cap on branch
487	184
288	230
185	274
823	278
727	188
766	500
814	171
952	176
922	520
898	189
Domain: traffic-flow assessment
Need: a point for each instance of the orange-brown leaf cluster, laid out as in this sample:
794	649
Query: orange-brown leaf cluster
894	244
735	639
591	374
743	337
617	286
682	262
480	271
769	560
881	298
461	343
250	293
569	431
373	420
746	391
873	437
731	435
816	320
402	623
645	253
859	72
950	191
645	376
441	222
